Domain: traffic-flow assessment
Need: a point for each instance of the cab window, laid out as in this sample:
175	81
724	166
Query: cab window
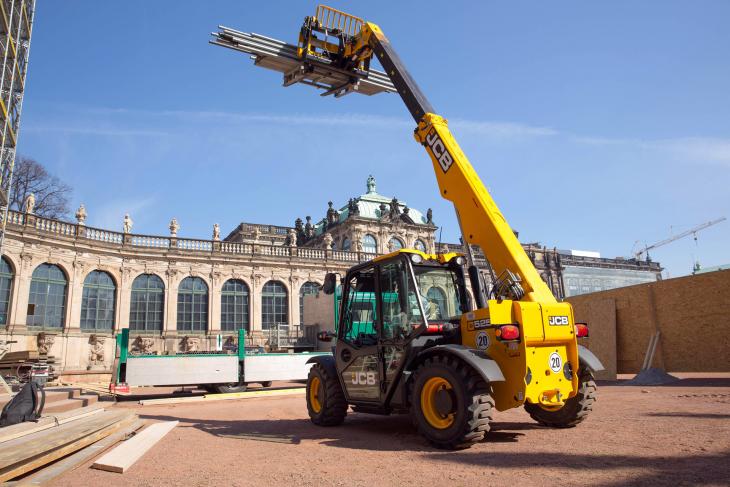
359	317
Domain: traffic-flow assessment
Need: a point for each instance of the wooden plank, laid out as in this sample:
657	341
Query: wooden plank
52	472
27	453
123	456
45	422
224	397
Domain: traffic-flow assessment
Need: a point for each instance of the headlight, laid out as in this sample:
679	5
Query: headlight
416	258
460	260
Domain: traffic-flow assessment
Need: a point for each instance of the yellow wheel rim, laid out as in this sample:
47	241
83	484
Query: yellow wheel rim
428	403
314	400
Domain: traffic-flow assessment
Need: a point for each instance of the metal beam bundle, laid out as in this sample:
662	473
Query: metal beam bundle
282	57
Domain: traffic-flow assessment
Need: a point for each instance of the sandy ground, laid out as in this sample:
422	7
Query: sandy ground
669	435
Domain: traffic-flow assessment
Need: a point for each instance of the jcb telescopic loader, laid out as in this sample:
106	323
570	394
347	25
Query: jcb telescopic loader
445	360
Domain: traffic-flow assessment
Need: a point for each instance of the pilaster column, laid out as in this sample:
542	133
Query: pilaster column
74	293
255	303
18	314
214	304
170	324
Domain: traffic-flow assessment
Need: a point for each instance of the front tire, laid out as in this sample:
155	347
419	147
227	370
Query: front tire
450	404
230	388
574	411
326	401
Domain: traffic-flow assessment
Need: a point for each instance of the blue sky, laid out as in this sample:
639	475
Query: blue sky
594	125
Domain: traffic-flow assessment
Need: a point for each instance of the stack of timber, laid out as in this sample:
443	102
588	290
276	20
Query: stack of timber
15	363
30	446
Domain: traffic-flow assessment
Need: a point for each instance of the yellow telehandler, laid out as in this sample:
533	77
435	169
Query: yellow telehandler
447	364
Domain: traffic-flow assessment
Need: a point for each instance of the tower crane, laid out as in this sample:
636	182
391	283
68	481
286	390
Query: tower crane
692	231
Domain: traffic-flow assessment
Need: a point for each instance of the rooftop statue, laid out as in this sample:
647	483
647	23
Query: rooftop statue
174	227
29	204
127	224
81	215
371	184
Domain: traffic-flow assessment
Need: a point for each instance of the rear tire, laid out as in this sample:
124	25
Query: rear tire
266	384
326	401
576	408
445	383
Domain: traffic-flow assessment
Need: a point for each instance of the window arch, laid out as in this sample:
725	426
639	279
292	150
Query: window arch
148	298
274	305
346	244
6	286
437	296
192	305
307	288
97	302
47	299
234	305
419	245
394	244
369	244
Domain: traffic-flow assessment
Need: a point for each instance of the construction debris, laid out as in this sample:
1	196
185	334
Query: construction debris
123	456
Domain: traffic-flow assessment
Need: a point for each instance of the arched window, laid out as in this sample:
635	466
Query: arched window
148	298
394	244
346	244
306	289
47	299
369	244
192	305
274	305
420	245
6	285
437	297
234	305
97	302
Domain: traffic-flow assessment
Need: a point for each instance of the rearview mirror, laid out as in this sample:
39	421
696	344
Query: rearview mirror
330	283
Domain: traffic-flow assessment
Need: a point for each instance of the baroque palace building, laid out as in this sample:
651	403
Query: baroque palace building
67	288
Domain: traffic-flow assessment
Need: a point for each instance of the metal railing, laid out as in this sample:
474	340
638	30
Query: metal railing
284	336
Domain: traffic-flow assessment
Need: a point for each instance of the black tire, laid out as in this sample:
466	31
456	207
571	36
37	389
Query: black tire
266	383
576	408
470	398
229	388
326	405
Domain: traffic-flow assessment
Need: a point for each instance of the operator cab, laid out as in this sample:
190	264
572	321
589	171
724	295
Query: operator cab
383	306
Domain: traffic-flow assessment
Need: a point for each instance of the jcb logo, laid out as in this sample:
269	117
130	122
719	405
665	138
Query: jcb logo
557	320
439	150
363	378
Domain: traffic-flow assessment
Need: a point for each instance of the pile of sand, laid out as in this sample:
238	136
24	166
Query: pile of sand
651	377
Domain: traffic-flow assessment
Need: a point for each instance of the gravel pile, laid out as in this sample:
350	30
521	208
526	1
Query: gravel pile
651	377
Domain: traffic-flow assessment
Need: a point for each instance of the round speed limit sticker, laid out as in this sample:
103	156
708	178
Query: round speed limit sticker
482	341
556	362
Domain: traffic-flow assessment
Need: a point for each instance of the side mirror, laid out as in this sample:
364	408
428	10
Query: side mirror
330	283
325	336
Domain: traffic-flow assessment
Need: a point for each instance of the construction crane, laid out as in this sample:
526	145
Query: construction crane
692	231
450	363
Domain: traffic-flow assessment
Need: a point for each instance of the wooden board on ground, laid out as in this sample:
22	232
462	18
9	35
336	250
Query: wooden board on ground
225	397
123	456
51	472
27	453
47	421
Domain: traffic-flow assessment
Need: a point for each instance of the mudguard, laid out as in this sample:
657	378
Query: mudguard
481	363
589	360
326	361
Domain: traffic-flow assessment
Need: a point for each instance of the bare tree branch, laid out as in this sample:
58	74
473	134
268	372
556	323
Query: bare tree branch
51	194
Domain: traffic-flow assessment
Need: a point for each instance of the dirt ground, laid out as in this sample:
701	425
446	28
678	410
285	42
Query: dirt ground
668	435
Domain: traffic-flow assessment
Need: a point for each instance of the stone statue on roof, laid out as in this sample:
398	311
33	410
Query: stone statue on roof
127	224
371	184
216	231
81	215
174	227
29	204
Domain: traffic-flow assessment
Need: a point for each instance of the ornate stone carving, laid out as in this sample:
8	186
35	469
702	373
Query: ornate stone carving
256	234
44	341
143	345
445	249
29	204
216	232
328	241
174	227
96	351
190	344
309	228
81	215
127	224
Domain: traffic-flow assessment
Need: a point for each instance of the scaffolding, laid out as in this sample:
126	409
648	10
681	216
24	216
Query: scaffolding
16	25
